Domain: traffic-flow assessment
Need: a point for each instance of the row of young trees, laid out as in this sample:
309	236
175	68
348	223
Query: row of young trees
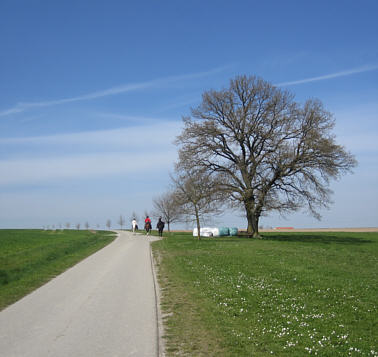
67	225
78	226
252	147
121	221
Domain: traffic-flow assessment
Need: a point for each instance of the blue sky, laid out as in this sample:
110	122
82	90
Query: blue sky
92	94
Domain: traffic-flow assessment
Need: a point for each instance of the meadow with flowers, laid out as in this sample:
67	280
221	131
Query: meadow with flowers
288	294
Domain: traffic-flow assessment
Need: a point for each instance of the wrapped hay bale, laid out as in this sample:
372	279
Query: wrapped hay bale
215	232
224	231
233	231
206	232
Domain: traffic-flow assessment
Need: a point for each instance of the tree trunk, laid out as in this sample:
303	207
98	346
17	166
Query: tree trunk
253	220
198	224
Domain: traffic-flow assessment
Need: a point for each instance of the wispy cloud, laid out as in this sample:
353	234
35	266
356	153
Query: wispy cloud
156	83
180	103
131	120
90	154
143	136
330	76
41	170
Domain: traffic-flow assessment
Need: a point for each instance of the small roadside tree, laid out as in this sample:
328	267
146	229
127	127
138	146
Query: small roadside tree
195	195
108	223
166	206
121	221
274	154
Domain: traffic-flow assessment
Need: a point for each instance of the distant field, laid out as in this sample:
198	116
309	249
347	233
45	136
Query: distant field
349	229
29	258
289	294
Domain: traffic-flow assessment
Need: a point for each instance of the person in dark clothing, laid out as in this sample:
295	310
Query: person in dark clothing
160	227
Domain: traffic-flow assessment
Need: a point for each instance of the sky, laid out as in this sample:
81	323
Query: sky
92	95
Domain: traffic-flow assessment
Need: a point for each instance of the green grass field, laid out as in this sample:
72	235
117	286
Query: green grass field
29	258
289	294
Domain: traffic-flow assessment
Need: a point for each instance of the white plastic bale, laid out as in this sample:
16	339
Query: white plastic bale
206	232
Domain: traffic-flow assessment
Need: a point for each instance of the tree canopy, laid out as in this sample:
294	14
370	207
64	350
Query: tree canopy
272	153
166	207
196	195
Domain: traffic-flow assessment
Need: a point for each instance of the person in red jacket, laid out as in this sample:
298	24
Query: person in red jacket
147	225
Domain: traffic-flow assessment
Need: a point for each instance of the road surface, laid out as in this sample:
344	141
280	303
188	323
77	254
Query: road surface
104	306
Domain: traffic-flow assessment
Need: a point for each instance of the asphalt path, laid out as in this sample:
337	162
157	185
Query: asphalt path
104	306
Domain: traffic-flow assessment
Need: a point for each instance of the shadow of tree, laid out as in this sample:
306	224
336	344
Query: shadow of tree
323	238
318	238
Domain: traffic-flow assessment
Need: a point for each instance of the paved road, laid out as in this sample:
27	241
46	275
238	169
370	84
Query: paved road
103	306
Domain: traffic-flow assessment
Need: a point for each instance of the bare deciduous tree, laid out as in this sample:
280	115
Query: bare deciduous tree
121	221
78	226
274	153
86	225
195	194
166	206
108	223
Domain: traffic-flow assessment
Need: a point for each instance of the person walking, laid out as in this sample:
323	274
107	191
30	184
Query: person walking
134	224
147	225
160	227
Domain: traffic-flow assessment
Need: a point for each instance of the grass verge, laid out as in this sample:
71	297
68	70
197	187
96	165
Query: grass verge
289	294
29	258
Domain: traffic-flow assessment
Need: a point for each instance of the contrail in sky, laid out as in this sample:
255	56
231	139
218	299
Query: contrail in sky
329	76
21	107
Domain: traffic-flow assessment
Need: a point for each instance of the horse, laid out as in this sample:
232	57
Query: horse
147	227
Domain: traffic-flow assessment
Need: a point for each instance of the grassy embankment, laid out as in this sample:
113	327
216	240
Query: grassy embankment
290	294
29	258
